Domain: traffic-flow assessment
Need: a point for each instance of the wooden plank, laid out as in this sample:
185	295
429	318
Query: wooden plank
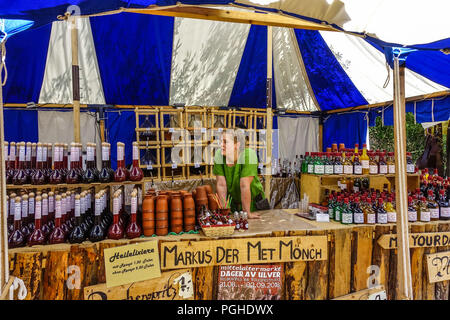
428	289
442	287
380	256
55	275
416	264
427	239
4	270
199	12
91	267
361	256
340	263
362	294
28	268
295	276
317	276
203	283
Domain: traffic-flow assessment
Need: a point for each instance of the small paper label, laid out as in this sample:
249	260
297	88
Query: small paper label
434	213
17	213
171	130
133	204
77	208
348	169
174	166
149	167
373	169
319	169
58	209
371	218
358	169
31	206
39	154
322	217
410	168
425	216
196	165
203	130
338	169
97	207
383	169
329	169
310	168
21	153
28	153
391	168
445	212
412	216
83	205
359	217
51	204
347	217
38	212
63	206
44	207
392	217
116	206
105	153
135	153
120	153
365	164
90	154
24	208
44	154
382	218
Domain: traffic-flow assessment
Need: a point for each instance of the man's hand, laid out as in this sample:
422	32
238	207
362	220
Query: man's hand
246	197
254	215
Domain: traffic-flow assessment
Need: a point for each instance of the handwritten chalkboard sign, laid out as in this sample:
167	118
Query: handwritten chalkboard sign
438	266
417	240
183	254
172	285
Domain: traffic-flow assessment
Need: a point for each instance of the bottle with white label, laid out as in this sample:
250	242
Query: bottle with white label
57	235
90	174
358	214
311	163
77	235
31	208
21	175
106	174
37	237
348	165
424	211
382	165
373	164
97	233
410	167
133	230
412	210
391	213
357	166
319	167
136	173
329	164
25	220
391	163
121	173
347	214
433	206
116	230
381	213
17	238
444	206
337	164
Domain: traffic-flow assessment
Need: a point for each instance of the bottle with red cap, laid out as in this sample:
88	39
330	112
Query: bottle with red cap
412	210
433	206
382	216
444	206
410	167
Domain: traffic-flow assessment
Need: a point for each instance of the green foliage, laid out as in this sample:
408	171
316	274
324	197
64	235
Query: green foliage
382	137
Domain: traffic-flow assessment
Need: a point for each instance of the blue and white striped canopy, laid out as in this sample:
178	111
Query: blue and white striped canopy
132	59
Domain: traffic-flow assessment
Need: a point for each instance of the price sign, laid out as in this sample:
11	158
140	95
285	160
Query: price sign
220	130
171	130
196	165
174	166
149	167
203	130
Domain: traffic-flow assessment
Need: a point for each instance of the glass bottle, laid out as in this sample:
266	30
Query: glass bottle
424	212
381	213
338	168
410	166
391	214
21	174
51	210
358	214
38	177
433	206
348	165
357	166
331	205
357	187
444	206
11	163
17	238
338	209
46	169
133	230
45	225
56	176
25	221
28	168
319	167
64	222
311	164
347	214
57	235
84	224
136	173
105	173
97	233
373	164
115	230
412	210
31	208
369	213
73	174
49	157
382	165
391	163
33	155
77	235
37	237
90	175
305	163
329	165
121	172
365	160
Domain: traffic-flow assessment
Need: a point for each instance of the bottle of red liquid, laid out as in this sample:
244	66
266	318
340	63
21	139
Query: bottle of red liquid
12	208
56	176
115	230
105	174
136	173
8	173
31	208
49	156
80	161
58	234
47	171
25	221
28	167
133	230
51	210
73	174
17	238
121	172
77	235
97	233
38	236
21	174
90	174
33	155
65	161
38	176
44	220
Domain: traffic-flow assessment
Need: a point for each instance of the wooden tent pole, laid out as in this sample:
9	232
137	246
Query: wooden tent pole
75	80
269	114
401	191
4	266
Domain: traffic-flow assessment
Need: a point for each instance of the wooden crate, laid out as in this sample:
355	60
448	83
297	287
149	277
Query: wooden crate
174	125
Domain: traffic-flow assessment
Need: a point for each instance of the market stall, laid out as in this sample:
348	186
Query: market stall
294	254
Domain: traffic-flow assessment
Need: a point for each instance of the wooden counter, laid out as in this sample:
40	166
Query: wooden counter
352	249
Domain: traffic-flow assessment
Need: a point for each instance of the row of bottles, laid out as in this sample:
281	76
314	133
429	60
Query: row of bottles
358	162
42	163
70	216
374	206
434	182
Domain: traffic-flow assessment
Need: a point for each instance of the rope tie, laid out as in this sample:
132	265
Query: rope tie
388	78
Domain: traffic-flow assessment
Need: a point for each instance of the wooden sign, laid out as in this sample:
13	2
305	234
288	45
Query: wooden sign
131	263
438	266
250	282
417	240
172	285
376	293
185	254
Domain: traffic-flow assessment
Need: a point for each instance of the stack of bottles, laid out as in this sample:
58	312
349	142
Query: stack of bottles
59	217
352	161
44	163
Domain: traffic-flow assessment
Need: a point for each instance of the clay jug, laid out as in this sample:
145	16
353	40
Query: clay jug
201	198
189	212
208	189
162	227
148	215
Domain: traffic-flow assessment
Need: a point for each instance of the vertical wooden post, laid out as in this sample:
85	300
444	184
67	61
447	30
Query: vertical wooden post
320	135
403	265
75	79
4	266
269	114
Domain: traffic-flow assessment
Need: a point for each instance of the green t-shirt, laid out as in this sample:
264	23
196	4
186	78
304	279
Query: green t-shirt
246	166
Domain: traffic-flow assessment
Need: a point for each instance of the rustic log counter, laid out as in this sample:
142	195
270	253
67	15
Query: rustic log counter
352	257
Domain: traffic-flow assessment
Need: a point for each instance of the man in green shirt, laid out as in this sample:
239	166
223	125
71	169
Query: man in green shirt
236	171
